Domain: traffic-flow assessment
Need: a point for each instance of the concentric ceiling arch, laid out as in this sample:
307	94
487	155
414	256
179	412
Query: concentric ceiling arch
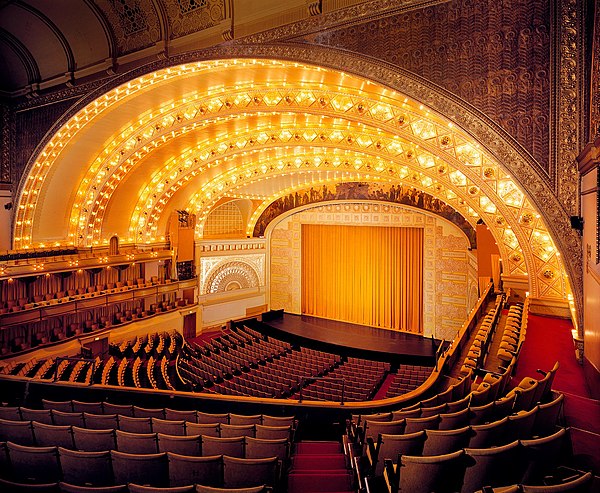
264	120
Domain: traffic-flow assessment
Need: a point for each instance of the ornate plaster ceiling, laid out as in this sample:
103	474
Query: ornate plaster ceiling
196	135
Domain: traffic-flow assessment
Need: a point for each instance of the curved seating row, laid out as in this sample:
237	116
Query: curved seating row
469	469
74	412
63	487
43	465
143	432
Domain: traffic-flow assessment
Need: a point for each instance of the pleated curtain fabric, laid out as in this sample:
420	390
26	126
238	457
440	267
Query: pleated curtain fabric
368	275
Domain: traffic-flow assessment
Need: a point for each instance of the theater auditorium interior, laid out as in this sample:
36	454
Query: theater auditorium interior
299	246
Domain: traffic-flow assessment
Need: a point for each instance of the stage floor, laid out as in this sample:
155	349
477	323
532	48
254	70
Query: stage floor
353	336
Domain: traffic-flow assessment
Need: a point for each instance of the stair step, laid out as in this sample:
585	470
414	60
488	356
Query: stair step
318	448
318	461
319	481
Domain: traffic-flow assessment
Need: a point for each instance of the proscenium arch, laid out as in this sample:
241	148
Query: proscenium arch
58	157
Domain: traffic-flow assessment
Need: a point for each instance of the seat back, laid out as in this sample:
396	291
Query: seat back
481	414
20	432
242	473
88	407
93	440
268	420
439	473
441	442
458	404
135	425
207	429
230	431
137	443
418	424
86	468
543	455
458	419
10	413
241	419
374	428
391	446
175	415
520	425
68	418
168	427
186	445
122	409
33	464
143	412
488	435
101	421
147	469
52	435
234	447
138	488
185	470
494	466
39	415
258	448
207	418
65	406
273	432
547	416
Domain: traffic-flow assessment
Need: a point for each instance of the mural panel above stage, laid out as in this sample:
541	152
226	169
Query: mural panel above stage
399	194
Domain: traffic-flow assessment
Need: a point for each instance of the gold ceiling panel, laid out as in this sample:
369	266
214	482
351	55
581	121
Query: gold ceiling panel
195	135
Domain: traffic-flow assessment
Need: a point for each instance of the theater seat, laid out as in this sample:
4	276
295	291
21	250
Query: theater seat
147	469
72	488
242	473
185	470
33	464
136	488
86	468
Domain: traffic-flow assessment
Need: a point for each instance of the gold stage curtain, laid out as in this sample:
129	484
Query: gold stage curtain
367	275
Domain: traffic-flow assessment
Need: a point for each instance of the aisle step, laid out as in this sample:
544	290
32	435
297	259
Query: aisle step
318	448
316	481
319	467
318	461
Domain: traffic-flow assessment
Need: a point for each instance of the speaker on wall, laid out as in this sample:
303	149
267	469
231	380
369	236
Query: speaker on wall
577	223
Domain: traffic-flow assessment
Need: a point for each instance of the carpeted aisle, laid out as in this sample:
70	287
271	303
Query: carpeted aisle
549	340
319	467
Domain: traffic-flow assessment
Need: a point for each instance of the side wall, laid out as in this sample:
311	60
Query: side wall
450	269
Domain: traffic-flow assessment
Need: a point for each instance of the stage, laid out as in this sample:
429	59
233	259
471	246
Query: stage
354	339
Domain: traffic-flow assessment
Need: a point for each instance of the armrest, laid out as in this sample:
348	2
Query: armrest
390	476
372	452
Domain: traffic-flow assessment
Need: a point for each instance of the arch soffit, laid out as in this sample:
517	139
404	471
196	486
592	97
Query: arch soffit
496	147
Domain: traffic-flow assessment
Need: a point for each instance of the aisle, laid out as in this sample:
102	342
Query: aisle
319	467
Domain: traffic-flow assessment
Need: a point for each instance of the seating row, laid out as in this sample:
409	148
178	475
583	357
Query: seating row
45	465
77	412
73	436
62	487
470	469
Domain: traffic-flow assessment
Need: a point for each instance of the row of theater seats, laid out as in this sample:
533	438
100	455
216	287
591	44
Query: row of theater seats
514	332
354	380
242	361
440	428
56	412
144	447
468	470
62	487
479	347
135	435
138	310
33	253
407	379
83	292
22	465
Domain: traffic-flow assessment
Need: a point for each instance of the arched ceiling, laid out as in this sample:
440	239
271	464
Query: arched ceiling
195	135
